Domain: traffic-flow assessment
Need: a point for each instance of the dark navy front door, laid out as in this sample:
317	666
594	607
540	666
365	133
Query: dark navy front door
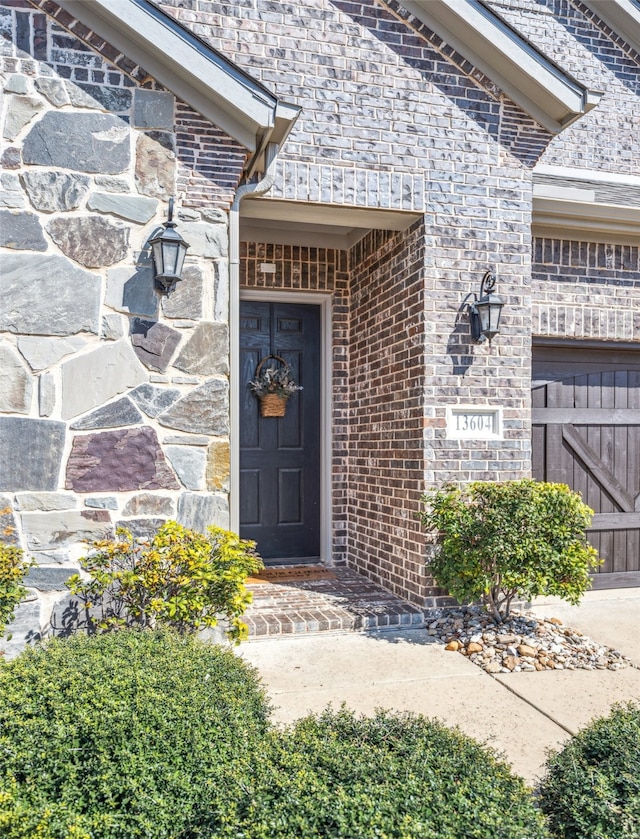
280	457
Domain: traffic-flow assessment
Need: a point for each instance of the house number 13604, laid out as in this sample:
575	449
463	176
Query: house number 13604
469	423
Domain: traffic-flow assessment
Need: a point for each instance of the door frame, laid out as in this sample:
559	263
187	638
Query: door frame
324	301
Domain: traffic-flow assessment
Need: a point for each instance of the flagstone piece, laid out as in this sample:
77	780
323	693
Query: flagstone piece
118	461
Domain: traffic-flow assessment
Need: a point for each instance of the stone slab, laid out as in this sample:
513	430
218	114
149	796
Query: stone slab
46	394
21	231
205	239
118	461
130	289
93	241
44	501
107	503
198	511
30	453
134	208
149	504
206	352
152	400
155	164
186	300
41	353
104	372
92	143
189	465
203	411
24	629
219	465
54	90
47	531
11	194
141	528
16	382
8	523
20	112
153	109
98	97
48	578
43	294
52	192
120	413
154	343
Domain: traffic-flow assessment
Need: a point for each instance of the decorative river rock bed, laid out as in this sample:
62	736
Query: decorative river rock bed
523	643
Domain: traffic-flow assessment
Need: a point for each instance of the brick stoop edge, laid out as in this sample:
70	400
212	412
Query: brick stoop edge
348	602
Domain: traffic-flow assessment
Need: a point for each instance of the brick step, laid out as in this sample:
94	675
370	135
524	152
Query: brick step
343	602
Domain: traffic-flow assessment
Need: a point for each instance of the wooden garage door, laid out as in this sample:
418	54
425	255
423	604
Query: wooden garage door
586	433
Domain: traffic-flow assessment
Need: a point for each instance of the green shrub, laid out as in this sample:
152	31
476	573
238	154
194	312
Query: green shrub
124	735
180	578
393	776
592	786
13	567
496	541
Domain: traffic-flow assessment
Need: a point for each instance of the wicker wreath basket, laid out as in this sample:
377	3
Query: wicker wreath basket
273	386
273	405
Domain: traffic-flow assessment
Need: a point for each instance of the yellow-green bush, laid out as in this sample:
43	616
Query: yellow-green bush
180	578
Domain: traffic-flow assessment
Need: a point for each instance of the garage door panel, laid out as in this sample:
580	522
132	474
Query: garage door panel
586	433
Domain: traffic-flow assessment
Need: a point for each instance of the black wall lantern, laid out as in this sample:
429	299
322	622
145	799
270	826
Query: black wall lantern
485	311
168	249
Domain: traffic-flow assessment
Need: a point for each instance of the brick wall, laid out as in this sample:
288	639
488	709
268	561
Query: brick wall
387	362
607	138
586	290
391	116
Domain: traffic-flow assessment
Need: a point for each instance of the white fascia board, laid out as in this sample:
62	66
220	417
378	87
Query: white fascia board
536	84
623	16
185	65
560	216
573	173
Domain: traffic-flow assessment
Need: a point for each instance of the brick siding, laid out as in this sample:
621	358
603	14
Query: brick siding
586	290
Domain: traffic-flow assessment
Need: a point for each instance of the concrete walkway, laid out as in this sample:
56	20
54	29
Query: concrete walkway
522	715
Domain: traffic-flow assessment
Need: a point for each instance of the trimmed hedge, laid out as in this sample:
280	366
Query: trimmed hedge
394	776
592	787
124	735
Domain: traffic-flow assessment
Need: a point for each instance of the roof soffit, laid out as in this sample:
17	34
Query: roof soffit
200	76
527	76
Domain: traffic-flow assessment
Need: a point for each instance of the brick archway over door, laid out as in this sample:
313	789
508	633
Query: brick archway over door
586	433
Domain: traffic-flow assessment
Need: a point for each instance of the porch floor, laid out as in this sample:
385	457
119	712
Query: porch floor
331	600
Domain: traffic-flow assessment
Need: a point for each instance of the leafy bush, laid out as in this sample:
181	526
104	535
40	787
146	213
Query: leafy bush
499	540
13	567
592	787
180	578
393	776
126	734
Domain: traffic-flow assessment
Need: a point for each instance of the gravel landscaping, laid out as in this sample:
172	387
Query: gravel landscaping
523	643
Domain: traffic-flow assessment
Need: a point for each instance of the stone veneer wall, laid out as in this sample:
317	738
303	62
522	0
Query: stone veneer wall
113	399
586	290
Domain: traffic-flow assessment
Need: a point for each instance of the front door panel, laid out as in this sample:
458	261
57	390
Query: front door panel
280	457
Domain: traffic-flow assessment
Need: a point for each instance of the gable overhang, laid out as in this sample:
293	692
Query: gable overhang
197	74
623	16
529	78
586	205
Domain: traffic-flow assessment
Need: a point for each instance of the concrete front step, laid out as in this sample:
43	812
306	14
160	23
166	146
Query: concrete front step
337	600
